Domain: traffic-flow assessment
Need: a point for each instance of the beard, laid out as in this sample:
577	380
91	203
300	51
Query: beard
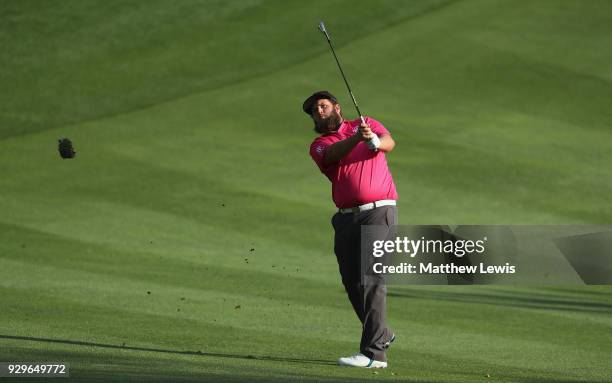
328	124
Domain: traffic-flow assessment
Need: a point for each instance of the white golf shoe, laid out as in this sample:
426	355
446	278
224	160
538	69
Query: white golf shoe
360	360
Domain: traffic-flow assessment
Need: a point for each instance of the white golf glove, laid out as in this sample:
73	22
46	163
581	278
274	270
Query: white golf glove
374	143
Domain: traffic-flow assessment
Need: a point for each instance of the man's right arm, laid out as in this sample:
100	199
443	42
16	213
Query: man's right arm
338	150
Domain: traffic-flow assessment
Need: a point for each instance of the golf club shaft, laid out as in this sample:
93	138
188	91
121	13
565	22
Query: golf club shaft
324	31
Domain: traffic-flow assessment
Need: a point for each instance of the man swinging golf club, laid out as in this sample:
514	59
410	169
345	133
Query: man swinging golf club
352	156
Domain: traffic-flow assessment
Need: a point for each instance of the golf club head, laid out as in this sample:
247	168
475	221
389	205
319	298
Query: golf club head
323	29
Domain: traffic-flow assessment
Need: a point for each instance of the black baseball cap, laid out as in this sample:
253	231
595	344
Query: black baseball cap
312	100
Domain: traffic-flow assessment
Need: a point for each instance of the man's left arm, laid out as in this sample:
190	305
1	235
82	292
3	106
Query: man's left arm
386	143
373	127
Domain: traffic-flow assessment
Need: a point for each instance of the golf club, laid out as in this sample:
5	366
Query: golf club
324	31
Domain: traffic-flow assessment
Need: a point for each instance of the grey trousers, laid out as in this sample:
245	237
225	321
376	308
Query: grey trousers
369	300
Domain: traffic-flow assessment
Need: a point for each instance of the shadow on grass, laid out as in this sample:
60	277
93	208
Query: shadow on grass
89	368
545	380
522	300
178	352
586	292
92	368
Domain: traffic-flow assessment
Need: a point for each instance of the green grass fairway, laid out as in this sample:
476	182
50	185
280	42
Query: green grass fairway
190	239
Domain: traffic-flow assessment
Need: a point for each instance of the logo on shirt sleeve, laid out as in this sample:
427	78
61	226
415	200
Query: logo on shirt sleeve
319	149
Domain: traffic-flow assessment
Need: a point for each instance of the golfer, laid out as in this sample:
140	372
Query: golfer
352	156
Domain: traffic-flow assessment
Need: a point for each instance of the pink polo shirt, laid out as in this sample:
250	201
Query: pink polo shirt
362	176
